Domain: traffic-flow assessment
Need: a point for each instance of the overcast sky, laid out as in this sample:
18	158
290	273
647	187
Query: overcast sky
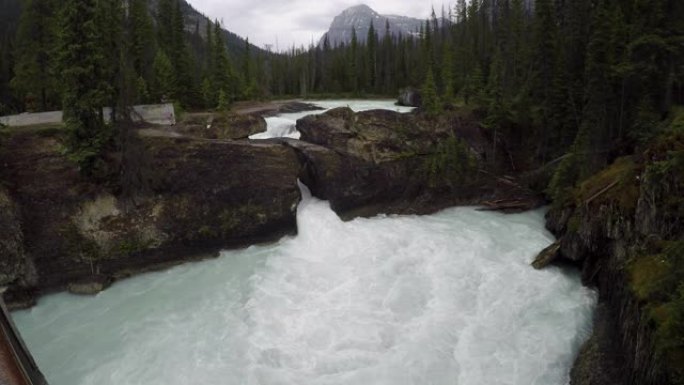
296	21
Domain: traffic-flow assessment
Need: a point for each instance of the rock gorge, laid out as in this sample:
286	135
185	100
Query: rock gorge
182	194
175	195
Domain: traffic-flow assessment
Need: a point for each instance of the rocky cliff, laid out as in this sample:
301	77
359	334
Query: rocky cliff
623	227
360	18
180	198
383	161
186	192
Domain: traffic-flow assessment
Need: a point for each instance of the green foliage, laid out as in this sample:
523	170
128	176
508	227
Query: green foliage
179	111
131	246
80	58
223	77
677	125
431	102
35	80
658	281
564	178
451	164
223	101
164	78
474	88
449	92
622	175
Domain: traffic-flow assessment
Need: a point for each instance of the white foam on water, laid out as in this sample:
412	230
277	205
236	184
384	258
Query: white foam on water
285	125
448	298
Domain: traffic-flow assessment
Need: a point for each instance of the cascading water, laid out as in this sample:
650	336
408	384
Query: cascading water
448	298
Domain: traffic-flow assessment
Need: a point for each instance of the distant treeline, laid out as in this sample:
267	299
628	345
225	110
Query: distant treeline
589	77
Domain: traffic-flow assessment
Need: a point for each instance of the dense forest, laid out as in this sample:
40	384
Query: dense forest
575	84
591	75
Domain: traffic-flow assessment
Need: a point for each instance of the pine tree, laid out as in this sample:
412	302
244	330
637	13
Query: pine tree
372	57
248	74
431	102
163	77
111	66
223	72
474	86
35	76
387	66
165	34
79	57
6	74
142	46
447	74
545	60
354	62
185	82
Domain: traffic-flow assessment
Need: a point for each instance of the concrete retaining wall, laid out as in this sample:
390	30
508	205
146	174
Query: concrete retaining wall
30	119
161	114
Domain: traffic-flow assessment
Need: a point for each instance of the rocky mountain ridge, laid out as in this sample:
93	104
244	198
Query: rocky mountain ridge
360	17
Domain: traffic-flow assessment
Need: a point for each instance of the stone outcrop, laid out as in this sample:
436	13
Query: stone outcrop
293	107
618	227
410	97
179	193
221	126
181	199
386	162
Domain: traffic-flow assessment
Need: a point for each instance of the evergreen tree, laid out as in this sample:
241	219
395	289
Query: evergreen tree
223	71
142	46
185	80
79	57
111	64
354	62
447	74
431	102
386	68
35	75
163	77
165	29
372	57
7	100
250	89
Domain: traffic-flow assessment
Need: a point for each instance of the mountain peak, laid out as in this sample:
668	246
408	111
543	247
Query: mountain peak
360	17
361	8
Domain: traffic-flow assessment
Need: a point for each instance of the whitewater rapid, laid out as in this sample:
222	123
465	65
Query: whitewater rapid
448	298
284	125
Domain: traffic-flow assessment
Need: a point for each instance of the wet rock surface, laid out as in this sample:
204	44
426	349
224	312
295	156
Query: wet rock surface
221	126
612	234
182	199
385	162
182	195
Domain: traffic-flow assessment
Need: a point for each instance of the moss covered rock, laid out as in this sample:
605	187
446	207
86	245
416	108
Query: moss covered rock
624	227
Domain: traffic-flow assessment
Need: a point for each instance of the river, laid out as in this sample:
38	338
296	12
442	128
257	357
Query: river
284	125
448	298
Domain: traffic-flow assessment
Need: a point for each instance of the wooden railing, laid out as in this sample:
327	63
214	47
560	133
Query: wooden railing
17	366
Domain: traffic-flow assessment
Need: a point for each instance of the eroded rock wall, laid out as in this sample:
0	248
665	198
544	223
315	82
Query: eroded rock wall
172	197
615	227
188	198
